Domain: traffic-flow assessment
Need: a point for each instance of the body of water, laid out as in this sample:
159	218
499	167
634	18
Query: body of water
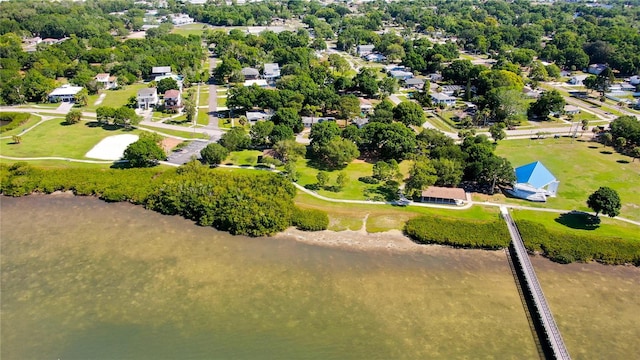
82	279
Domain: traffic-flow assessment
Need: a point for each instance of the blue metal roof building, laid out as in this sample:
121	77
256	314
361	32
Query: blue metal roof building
534	182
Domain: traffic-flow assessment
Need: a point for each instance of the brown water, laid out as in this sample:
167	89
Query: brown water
86	279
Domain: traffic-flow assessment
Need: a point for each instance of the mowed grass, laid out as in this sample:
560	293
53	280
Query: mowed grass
29	123
183	134
581	167
190	29
346	216
53	138
114	98
607	228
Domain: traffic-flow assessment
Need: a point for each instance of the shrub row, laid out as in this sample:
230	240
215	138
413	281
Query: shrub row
458	233
566	247
255	204
14	120
310	219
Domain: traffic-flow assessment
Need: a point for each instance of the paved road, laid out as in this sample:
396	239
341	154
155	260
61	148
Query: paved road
185	154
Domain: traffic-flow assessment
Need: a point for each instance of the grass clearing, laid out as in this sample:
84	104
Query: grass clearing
52	138
114	98
581	167
203	117
33	119
245	157
190	29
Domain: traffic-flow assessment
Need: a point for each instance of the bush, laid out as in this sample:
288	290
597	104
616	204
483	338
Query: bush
310	219
14	120
566	247
458	233
368	180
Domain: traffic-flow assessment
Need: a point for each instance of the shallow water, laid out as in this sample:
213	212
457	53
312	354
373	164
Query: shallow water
86	279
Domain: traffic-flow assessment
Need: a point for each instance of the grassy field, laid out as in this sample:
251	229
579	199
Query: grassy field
114	98
204	96
245	157
184	134
552	221
343	216
203	117
581	167
190	29
30	122
52	138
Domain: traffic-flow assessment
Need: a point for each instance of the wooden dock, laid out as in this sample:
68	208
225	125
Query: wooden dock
550	335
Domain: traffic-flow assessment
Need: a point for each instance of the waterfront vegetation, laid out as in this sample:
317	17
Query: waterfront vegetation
13	121
468	234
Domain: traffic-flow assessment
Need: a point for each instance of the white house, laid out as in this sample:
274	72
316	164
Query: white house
364	50
64	93
147	98
400	74
534	182
172	99
365	106
440	98
181	19
375	57
451	89
577	79
160	70
571	110
107	81
596	69
271	71
254	116
433	77
259	82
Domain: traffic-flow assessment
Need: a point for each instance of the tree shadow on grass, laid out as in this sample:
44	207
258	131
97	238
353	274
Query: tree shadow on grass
120	165
579	220
593	147
622	161
105	126
605	152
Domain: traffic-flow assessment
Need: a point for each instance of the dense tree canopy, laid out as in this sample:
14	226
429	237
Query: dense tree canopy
605	200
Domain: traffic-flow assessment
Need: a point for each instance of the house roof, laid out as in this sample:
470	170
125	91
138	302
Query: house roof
534	174
103	76
160	69
414	81
366	47
250	72
271	67
444	193
171	93
259	82
442	96
66	90
571	108
147	91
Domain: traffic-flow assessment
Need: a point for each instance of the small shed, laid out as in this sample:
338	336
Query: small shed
443	195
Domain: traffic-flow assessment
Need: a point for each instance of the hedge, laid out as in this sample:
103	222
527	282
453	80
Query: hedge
564	247
458	233
310	219
14	119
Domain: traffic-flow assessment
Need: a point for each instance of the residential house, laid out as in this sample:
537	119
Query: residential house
400	74
364	50
107	81
365	106
177	78
394	67
181	19
64	93
271	71
250	73
375	57
452	89
530	93
360	122
434	77
50	41
254	116
571	110
308	121
259	82
596	69
160	71
414	83
534	182
442	98
172	99
577	79
147	98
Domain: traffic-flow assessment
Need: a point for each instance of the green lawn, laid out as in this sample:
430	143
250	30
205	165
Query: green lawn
607	228
221	101
245	157
203	117
204	96
581	167
51	138
183	134
114	98
190	29
30	122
